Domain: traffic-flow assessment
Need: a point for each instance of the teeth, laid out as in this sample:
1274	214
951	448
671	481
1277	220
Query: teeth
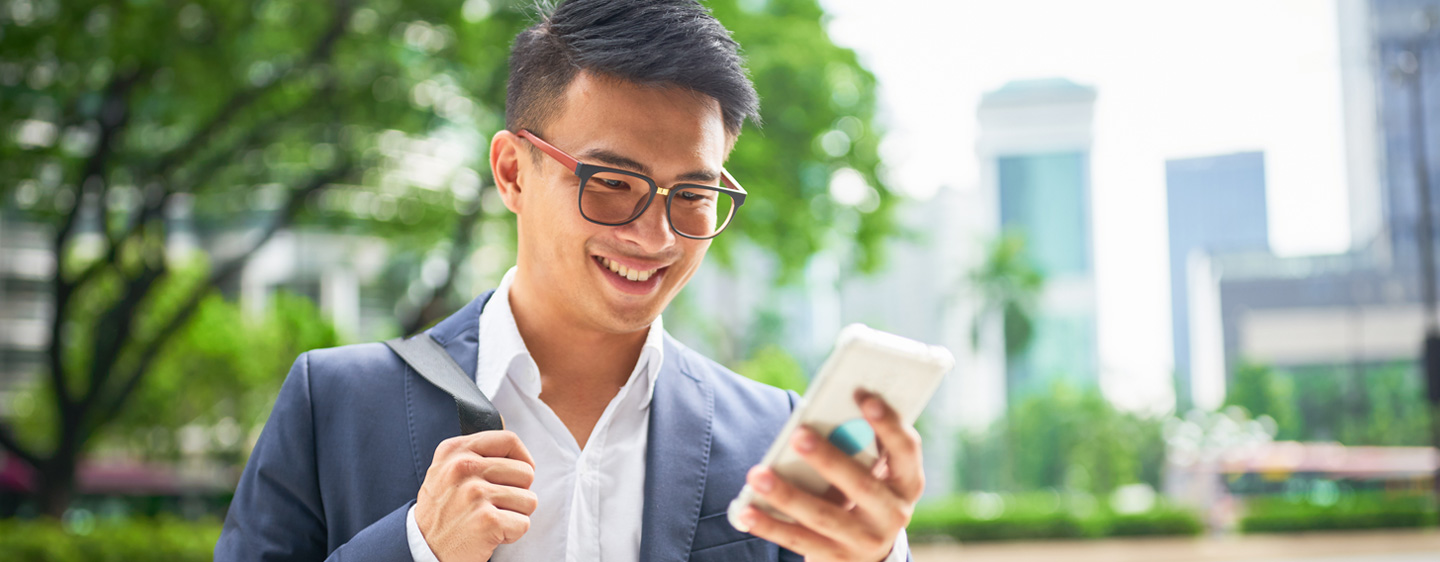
631	274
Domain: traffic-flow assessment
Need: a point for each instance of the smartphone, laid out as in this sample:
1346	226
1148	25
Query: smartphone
903	372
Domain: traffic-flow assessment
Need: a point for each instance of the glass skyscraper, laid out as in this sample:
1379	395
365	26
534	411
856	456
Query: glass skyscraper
1035	147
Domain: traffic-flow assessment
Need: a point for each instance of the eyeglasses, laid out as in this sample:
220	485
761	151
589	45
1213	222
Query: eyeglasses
615	197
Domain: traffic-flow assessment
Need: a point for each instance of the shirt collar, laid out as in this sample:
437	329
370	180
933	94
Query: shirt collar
503	352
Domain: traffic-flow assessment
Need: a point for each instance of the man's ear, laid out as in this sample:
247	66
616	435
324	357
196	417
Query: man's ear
506	151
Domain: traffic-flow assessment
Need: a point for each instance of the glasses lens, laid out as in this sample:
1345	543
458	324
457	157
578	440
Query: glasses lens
613	197
699	211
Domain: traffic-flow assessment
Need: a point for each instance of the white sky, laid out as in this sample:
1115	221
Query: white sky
1175	79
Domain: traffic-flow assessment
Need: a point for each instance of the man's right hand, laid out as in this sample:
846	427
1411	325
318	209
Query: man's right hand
476	495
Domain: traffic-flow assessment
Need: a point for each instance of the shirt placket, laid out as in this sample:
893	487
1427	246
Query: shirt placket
585	512
588	482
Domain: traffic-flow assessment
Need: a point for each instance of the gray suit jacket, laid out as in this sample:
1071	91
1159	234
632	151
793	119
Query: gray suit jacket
341	459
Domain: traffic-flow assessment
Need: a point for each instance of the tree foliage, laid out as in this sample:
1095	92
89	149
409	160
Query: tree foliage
219	373
1068	438
818	106
773	366
1353	405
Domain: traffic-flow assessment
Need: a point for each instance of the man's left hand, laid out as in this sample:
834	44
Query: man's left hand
876	504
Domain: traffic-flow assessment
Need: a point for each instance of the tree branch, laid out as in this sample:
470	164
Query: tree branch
237	103
321	50
258	134
112	332
9	442
114	114
192	302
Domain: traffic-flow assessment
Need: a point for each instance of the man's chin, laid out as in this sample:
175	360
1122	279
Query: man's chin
629	318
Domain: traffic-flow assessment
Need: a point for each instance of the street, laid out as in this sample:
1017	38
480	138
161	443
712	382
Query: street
1352	546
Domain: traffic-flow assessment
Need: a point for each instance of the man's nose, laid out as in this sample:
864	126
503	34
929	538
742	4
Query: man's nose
651	231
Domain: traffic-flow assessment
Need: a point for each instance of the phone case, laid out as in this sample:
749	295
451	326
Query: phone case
903	372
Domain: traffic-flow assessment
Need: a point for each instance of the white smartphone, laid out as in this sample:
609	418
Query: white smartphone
902	372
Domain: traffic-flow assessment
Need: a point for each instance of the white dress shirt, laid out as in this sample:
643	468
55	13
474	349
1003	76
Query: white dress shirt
590	500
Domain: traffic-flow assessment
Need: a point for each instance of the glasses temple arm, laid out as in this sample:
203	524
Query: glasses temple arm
565	159
729	181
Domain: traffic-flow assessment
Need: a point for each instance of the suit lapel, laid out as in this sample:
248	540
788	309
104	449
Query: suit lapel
677	455
432	413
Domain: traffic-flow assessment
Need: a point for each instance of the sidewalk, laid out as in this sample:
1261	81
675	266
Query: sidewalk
1334	544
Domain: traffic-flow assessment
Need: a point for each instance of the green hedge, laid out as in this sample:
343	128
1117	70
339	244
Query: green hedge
134	540
1033	517
1358	511
1164	520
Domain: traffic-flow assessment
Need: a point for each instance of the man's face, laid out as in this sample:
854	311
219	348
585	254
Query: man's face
568	263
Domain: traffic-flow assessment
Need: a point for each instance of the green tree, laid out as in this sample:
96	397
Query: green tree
349	116
249	112
1396	413
1263	391
221	370
1355	404
1068	438
818	105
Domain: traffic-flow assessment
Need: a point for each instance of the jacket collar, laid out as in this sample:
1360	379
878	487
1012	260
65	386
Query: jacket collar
459	334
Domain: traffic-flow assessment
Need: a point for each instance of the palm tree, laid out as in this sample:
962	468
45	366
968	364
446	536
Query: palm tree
1008	285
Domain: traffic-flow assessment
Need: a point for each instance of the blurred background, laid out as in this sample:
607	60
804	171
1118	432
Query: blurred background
1183	251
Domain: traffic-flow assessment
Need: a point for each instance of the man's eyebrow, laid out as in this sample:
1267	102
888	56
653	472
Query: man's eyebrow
619	161
613	159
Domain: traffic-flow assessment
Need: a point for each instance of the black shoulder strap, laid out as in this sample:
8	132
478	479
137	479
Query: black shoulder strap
426	356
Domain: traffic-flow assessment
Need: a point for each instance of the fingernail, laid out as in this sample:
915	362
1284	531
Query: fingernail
805	440
874	410
763	481
748	517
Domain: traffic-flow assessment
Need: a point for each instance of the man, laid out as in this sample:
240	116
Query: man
620	443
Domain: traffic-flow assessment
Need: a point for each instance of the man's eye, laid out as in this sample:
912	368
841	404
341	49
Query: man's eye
692	196
612	183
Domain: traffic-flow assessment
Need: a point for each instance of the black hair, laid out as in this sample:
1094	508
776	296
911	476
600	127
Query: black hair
663	43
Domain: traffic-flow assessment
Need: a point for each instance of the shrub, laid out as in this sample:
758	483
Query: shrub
1356	511
124	540
989	517
1162	520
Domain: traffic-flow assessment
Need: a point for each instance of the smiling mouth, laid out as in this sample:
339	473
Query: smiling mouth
636	275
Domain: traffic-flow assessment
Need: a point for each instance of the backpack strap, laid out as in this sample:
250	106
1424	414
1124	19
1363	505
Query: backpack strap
427	358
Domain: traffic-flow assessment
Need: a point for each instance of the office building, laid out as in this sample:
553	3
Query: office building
1362	307
1214	204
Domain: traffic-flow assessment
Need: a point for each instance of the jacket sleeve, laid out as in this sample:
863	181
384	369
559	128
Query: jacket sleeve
383	540
277	514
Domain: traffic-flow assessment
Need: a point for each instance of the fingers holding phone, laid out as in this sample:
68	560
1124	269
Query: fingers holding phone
872	505
850	437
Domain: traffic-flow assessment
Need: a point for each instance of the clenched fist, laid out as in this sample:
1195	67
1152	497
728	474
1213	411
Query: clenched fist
476	495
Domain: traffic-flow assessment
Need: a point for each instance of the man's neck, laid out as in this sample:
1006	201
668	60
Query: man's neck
581	370
569	353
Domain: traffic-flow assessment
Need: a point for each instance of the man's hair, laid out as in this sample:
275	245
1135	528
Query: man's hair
660	43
